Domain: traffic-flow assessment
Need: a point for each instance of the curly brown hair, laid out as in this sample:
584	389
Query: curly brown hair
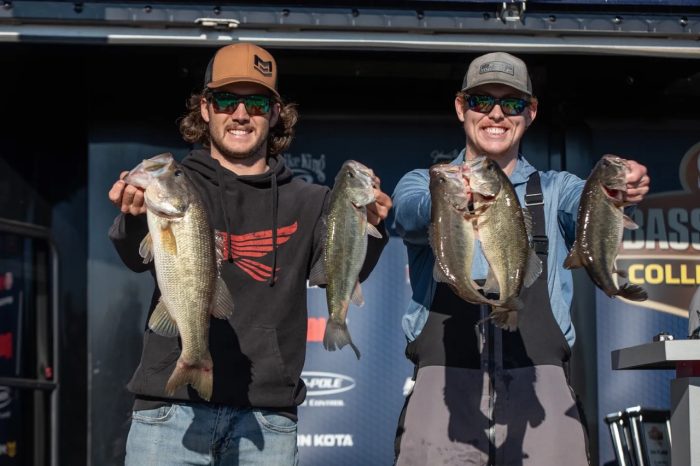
195	130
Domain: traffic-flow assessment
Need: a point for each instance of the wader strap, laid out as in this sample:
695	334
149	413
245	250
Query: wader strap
534	201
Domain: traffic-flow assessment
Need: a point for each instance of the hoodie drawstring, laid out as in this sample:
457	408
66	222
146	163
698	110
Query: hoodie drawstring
222	193
271	281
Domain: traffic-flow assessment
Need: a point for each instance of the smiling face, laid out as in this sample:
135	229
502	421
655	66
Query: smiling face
239	136
494	134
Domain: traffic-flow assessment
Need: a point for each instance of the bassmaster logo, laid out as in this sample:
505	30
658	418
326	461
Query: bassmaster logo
663	255
307	167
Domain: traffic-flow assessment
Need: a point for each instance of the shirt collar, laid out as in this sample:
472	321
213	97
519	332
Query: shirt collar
520	174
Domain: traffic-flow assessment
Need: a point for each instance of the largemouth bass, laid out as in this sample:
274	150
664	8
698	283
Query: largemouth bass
182	244
452	234
345	247
599	228
504	229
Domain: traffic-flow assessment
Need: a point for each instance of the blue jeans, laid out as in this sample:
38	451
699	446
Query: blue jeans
200	434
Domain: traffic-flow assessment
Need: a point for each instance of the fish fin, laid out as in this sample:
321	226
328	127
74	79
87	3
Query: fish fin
532	270
527	218
632	292
146	248
200	376
317	275
573	260
219	245
357	297
337	336
372	231
629	223
504	318
161	322
491	283
222	304
168	239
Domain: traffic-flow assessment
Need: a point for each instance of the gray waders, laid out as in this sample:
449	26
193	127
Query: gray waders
492	397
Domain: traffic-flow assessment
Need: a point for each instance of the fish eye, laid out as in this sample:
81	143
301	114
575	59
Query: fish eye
351	174
178	172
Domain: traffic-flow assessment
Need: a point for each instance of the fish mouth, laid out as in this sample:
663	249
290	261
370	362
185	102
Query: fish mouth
615	194
144	173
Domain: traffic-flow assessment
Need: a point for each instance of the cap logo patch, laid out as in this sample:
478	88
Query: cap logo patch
264	67
497	67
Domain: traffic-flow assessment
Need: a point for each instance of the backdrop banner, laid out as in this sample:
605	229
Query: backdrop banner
662	256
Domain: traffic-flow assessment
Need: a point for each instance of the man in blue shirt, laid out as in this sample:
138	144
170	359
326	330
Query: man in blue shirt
492	396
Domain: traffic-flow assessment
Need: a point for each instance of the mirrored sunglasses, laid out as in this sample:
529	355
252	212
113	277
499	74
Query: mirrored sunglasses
484	104
227	102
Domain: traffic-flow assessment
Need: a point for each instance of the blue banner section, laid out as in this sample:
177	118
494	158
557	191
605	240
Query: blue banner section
351	411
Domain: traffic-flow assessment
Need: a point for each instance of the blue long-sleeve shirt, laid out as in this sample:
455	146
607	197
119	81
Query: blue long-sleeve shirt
562	193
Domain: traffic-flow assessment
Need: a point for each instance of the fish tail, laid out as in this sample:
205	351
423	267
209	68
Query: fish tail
200	375
337	336
505	318
632	292
505	315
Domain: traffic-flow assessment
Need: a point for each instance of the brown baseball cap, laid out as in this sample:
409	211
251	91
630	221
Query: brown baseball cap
243	62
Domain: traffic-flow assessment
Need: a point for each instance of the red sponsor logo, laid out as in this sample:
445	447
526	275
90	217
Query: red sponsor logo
315	329
5	281
6	345
244	249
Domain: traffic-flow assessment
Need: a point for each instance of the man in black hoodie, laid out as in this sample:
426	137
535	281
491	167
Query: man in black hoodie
273	229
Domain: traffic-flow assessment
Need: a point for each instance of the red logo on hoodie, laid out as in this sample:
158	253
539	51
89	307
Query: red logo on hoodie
247	247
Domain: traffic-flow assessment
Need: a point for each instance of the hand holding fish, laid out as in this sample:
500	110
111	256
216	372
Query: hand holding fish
601	220
126	197
637	183
379	209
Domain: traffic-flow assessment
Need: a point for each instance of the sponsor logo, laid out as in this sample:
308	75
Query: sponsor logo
8	449
315	329
663	255
438	156
6	345
326	383
264	67
6	281
250	246
7	300
307	167
325	440
658	443
5	402
497	67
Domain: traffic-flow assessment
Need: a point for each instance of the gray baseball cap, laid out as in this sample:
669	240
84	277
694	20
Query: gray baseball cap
499	68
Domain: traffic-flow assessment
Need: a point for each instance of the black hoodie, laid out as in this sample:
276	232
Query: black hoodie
259	353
